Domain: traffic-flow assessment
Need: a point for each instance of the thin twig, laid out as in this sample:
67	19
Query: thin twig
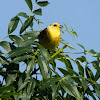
4	38
32	10
73	52
60	50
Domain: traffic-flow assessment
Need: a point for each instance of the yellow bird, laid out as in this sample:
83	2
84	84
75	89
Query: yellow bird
50	36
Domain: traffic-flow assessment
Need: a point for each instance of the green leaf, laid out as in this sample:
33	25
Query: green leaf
95	64
97	75
97	55
24	41
62	31
47	82
65	43
28	43
13	24
70	88
19	51
93	53
75	33
26	24
64	71
43	3
5	94
25	95
55	89
22	14
46	57
65	26
44	53
89	92
6	88
22	82
81	46
72	28
77	80
70	33
21	58
32	34
10	79
97	90
3	62
29	3
38	12
43	67
81	69
65	59
30	66
84	84
67	62
6	45
82	59
71	71
17	40
89	73
31	86
16	96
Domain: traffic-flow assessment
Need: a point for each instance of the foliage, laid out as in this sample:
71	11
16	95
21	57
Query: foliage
65	84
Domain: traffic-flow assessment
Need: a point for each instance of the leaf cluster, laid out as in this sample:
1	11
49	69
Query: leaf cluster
40	80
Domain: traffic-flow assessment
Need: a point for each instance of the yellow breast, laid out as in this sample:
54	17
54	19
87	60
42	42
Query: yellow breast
54	39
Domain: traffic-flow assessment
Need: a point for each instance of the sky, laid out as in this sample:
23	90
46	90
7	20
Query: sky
82	15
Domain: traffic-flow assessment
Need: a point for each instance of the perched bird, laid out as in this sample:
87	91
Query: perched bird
50	36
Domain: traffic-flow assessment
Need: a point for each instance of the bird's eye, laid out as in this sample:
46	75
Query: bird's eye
54	25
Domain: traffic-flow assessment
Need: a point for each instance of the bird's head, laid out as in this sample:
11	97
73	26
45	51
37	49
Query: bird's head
55	26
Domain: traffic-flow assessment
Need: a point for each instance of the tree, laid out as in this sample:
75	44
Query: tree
65	84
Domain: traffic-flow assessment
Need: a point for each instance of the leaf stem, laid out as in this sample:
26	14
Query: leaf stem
32	9
89	53
4	38
73	52
31	13
60	50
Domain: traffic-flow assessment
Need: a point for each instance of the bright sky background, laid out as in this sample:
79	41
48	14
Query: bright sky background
82	15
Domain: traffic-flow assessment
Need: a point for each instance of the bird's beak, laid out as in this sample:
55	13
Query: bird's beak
60	26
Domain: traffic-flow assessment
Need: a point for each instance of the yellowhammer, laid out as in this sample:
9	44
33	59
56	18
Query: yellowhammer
50	36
